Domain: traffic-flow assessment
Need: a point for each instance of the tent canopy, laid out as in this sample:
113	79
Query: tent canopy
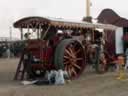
37	22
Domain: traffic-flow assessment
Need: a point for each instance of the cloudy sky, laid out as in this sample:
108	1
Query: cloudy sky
12	10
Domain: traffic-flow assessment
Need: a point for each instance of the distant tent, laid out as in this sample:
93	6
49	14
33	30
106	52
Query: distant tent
108	16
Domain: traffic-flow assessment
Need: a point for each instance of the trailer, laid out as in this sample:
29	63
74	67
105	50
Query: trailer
56	43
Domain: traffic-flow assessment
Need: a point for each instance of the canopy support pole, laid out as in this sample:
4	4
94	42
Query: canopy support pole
21	32
45	33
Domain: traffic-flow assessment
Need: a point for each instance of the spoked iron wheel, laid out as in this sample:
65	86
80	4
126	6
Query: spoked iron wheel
70	56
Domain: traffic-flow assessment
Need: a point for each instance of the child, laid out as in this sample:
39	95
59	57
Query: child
121	63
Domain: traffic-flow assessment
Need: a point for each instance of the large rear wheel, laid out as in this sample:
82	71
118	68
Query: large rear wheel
70	56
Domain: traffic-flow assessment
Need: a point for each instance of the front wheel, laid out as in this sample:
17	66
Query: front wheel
100	61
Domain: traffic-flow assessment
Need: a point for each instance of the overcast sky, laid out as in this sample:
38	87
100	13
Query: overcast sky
12	10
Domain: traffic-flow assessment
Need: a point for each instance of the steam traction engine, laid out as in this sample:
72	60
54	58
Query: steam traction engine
52	43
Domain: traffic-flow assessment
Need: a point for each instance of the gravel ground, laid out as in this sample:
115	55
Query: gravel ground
89	84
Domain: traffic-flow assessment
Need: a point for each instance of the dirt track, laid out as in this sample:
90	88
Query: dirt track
89	84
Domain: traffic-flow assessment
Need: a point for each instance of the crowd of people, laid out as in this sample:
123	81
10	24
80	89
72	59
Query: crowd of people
10	49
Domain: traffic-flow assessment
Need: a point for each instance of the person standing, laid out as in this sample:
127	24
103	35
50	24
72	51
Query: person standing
126	55
121	63
8	52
